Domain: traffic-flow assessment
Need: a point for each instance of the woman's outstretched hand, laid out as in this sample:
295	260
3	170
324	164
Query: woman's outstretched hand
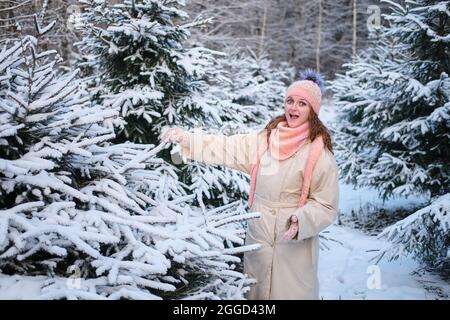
176	135
293	229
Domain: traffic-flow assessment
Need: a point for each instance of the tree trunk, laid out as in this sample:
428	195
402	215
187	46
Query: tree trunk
354	32
319	36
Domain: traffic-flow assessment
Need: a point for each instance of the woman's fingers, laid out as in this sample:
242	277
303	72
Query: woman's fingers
176	135
173	134
288	236
184	139
291	232
166	134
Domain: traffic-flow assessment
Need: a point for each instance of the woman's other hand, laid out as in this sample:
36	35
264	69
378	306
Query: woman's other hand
291	233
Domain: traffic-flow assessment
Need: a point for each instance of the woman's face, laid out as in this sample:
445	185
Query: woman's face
296	110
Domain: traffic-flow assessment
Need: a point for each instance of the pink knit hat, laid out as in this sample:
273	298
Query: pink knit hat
309	88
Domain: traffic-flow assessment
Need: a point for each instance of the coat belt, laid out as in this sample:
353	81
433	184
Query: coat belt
275	204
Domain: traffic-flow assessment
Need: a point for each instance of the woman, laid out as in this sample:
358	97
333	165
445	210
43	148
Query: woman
294	185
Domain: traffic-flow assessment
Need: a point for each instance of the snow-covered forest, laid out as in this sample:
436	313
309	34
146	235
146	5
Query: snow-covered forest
95	205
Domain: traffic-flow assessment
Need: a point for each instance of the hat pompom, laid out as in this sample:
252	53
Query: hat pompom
314	76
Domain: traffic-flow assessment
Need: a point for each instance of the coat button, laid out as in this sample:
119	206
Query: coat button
273	211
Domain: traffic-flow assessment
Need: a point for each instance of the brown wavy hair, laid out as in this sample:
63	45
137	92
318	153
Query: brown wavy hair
316	128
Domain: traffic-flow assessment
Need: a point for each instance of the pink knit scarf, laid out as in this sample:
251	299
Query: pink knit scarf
284	142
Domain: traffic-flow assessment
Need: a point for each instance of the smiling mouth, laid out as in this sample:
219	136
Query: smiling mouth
294	116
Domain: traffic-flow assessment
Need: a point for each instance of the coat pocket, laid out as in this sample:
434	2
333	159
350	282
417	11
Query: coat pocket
257	230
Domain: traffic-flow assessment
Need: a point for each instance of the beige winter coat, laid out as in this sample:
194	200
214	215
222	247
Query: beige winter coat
283	269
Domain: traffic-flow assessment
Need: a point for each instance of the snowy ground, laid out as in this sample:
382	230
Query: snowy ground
19	287
347	272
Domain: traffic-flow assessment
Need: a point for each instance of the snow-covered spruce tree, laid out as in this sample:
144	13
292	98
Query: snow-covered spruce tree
113	215
353	92
138	52
394	114
425	233
256	83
